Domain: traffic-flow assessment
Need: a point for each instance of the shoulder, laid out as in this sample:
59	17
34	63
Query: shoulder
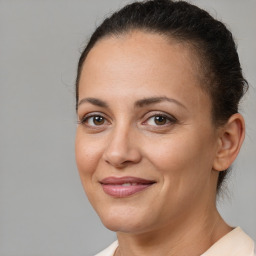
109	251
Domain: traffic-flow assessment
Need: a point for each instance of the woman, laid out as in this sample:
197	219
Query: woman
158	88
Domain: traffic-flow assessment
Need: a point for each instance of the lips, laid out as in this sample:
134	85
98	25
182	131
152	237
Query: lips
124	186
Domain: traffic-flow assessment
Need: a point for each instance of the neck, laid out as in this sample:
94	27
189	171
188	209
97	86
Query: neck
191	235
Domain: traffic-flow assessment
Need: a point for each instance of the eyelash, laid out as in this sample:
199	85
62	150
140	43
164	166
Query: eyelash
85	119
170	120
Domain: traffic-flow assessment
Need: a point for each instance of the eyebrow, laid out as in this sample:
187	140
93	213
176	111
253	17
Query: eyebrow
153	100
94	101
138	103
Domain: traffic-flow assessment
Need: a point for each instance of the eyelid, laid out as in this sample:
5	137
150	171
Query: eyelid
85	117
171	119
159	113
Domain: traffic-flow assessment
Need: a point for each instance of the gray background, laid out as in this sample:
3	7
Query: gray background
43	209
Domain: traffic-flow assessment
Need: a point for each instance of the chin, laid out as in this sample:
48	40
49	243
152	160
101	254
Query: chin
123	220
123	227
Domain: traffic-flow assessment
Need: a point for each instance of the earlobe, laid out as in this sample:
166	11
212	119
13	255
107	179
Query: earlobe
230	141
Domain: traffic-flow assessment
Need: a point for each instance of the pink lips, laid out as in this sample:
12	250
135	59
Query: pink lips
124	186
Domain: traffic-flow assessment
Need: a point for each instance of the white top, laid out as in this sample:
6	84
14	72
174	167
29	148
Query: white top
235	243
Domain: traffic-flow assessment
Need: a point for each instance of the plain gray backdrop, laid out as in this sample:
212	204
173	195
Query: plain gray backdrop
43	209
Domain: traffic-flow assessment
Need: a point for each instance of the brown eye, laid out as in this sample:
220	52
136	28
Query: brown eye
160	120
94	120
98	120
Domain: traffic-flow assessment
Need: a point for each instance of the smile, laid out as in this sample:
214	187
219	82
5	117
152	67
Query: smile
124	186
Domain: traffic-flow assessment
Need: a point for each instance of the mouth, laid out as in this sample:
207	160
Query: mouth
124	186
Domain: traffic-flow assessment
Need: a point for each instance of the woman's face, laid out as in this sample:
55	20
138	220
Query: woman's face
145	143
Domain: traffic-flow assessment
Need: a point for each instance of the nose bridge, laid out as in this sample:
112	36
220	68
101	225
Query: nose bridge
122	147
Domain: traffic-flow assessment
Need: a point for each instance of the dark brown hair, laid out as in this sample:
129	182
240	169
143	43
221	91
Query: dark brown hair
211	40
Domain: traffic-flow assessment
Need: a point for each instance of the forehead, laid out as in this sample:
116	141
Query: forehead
140	62
139	47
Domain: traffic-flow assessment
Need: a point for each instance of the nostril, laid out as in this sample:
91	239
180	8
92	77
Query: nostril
121	150
117	162
122	159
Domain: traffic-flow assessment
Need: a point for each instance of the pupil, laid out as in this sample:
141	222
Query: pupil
160	120
98	120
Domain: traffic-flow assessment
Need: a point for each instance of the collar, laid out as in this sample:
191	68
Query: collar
235	243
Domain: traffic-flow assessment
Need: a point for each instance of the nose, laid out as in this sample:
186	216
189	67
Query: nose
122	148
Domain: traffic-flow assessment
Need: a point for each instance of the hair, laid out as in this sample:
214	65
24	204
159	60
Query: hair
209	38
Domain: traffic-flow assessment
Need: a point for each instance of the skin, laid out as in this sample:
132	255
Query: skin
177	215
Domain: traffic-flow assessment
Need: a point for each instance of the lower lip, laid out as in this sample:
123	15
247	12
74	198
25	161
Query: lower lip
124	191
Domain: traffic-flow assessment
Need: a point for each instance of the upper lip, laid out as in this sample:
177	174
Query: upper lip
126	179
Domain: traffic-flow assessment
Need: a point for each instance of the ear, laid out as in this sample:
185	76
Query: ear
230	140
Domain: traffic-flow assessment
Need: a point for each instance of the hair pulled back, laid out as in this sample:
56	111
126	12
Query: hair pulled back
212	41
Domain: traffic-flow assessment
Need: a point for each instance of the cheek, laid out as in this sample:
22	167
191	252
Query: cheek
185	172
182	159
88	154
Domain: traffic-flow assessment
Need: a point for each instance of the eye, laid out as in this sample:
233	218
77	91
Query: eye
160	120
94	120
